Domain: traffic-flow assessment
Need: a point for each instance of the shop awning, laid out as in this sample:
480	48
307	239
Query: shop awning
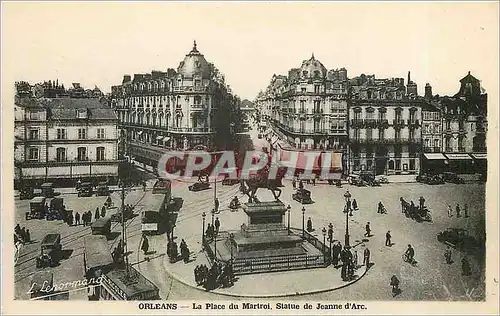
166	139
434	156
458	156
479	156
159	137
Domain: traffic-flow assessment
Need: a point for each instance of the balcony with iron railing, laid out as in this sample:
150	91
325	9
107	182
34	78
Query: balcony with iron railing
370	123
198	107
357	123
398	123
382	123
191	130
413	123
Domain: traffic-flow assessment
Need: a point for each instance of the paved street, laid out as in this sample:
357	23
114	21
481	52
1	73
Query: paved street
432	279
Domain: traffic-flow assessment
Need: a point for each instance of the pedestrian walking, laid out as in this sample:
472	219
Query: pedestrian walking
97	214
388	237
330	232
294	183
336	249
216	202
144	186
301	185
314	181
466	270
354	204
23	234
466	211
450	211
447	255
70	219
355	259
422	202
145	245
395	285
458	210
309	225
368	230
77	219
366	257
217	225
28	235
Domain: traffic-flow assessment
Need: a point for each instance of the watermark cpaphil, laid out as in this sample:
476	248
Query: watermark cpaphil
240	166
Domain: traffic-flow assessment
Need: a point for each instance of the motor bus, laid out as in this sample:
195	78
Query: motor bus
155	214
97	260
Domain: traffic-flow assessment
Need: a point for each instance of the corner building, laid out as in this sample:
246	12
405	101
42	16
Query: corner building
173	110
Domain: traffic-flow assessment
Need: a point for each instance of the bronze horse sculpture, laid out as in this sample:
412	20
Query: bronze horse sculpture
261	180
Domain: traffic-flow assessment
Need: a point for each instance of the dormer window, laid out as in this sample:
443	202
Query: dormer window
81	114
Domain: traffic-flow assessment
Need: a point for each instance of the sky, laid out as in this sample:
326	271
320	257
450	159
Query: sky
97	43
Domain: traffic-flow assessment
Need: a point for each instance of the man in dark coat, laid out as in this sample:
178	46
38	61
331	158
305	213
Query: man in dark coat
388	238
77	219
344	256
309	225
422	203
395	285
336	249
216	203
354	204
366	257
217	225
368	230
103	211
458	210
466	270
145	245
97	214
330	232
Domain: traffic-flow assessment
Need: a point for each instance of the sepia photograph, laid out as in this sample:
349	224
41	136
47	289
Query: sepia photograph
240	157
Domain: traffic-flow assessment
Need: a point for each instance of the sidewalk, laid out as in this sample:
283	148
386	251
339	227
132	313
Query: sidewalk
267	285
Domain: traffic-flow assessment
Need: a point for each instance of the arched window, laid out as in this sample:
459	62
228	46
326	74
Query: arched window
178	120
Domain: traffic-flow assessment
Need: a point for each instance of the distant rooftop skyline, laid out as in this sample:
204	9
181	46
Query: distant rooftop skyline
249	42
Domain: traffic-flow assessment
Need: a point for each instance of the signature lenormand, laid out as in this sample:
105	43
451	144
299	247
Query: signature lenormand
48	287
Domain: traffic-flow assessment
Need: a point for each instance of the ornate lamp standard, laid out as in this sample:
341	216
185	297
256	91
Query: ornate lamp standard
303	222
231	239
203	231
347	197
288	208
213	217
324	242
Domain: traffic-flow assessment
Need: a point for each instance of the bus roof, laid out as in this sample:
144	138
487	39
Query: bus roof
97	252
132	285
101	222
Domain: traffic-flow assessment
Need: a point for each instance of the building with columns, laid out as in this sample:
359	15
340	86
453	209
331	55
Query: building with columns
183	109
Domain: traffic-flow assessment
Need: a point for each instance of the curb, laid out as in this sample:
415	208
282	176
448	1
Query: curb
288	294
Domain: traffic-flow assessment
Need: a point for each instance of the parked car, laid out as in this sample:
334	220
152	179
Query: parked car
86	189
50	251
382	179
102	189
199	186
460	239
356	180
302	196
369	178
430	179
47	190
37	208
453	178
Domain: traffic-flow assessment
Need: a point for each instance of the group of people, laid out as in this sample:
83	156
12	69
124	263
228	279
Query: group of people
212	230
466	268
296	179
413	211
172	251
184	251
21	235
458	211
220	274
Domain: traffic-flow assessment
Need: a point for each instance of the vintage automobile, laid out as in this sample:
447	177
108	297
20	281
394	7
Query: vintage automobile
101	226
37	208
47	189
26	193
199	186
50	249
432	179
460	239
57	211
369	178
42	280
117	217
453	178
102	189
86	189
228	181
356	180
302	196
382	179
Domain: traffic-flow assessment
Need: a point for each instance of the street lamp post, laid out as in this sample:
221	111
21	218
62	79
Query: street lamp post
203	230
213	217
347	197
215	244
324	242
331	239
231	238
303	222
288	208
